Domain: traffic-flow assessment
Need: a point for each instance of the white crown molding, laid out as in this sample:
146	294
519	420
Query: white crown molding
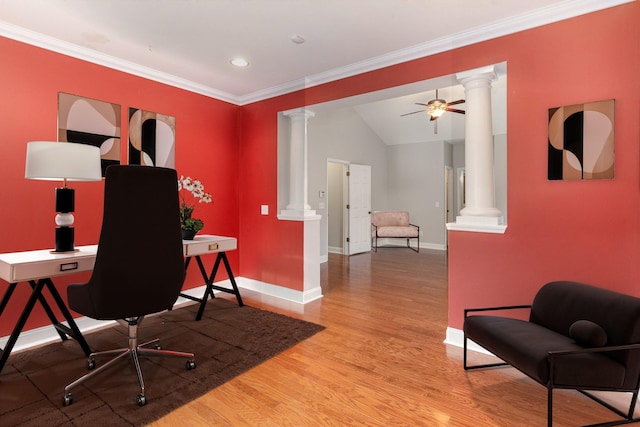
40	40
543	16
537	18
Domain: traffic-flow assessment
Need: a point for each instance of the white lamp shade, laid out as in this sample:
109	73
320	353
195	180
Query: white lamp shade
57	161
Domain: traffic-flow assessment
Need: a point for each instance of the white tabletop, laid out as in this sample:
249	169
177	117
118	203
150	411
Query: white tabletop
33	265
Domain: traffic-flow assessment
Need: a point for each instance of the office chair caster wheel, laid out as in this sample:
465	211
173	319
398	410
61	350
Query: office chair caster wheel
91	364
141	400
191	364
67	399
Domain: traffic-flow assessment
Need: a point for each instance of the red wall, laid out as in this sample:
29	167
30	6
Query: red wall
207	135
272	250
557	230
585	231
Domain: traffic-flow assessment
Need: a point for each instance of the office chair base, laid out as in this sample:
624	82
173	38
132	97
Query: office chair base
134	351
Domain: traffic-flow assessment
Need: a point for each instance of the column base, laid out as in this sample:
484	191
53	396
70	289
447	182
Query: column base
491	212
298	214
475	219
479	224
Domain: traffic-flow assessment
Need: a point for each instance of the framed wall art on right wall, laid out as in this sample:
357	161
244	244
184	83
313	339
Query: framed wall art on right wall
581	141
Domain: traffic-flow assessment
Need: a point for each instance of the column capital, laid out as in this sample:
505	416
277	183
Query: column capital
487	74
299	112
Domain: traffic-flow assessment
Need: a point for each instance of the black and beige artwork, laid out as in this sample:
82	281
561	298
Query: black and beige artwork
581	141
89	121
152	138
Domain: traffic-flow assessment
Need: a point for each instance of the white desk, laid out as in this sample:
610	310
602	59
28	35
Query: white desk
34	265
207	244
38	267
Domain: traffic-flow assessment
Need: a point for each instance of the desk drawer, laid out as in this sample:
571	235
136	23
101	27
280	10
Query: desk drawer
50	268
209	246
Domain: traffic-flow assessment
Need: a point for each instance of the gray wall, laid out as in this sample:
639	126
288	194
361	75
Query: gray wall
404	177
341	134
416	184
335	202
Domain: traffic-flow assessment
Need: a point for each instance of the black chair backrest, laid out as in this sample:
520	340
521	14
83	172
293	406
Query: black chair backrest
139	266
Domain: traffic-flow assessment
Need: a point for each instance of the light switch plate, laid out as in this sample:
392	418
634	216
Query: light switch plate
264	209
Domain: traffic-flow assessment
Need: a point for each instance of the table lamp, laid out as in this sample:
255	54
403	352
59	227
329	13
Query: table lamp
63	161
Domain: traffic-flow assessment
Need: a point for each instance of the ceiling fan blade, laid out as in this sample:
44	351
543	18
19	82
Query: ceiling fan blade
459	101
420	111
455	110
420	103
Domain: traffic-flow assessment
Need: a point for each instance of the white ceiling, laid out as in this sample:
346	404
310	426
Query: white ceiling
383	110
188	43
385	118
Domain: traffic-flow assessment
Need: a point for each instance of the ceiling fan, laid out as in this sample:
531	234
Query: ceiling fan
436	108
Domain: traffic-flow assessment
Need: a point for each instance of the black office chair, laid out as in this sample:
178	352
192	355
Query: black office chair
139	268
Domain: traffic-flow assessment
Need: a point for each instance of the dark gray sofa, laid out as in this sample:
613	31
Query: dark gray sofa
577	337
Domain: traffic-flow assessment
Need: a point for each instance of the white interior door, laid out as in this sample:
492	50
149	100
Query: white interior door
359	209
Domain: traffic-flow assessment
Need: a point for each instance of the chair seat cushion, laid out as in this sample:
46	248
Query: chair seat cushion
526	345
396	231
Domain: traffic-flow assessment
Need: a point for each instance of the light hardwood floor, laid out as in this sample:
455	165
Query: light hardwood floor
380	361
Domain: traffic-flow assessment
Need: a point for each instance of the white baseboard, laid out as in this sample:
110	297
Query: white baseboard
456	337
388	242
300	297
401	242
46	334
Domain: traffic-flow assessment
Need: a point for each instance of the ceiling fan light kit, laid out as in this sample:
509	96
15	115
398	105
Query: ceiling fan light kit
436	108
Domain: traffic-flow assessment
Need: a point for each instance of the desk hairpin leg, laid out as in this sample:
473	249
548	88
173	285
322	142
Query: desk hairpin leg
21	321
72	330
208	292
47	308
7	296
37	296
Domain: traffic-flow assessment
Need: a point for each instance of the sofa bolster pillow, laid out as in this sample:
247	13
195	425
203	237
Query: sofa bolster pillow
588	333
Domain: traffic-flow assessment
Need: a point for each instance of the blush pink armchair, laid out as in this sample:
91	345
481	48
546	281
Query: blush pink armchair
393	225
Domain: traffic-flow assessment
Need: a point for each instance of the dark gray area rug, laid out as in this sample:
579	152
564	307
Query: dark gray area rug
228	341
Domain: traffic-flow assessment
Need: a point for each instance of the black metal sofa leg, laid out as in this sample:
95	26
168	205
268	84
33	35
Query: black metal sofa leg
549	406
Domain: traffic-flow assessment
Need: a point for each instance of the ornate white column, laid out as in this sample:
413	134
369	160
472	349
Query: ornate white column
298	208
479	181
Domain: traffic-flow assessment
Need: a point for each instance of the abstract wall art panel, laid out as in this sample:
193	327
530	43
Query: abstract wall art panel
152	138
581	140
92	122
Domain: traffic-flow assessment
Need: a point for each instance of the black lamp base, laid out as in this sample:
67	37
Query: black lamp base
64	239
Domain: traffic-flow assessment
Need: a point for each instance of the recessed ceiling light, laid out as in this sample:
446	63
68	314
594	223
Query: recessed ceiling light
239	62
297	39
